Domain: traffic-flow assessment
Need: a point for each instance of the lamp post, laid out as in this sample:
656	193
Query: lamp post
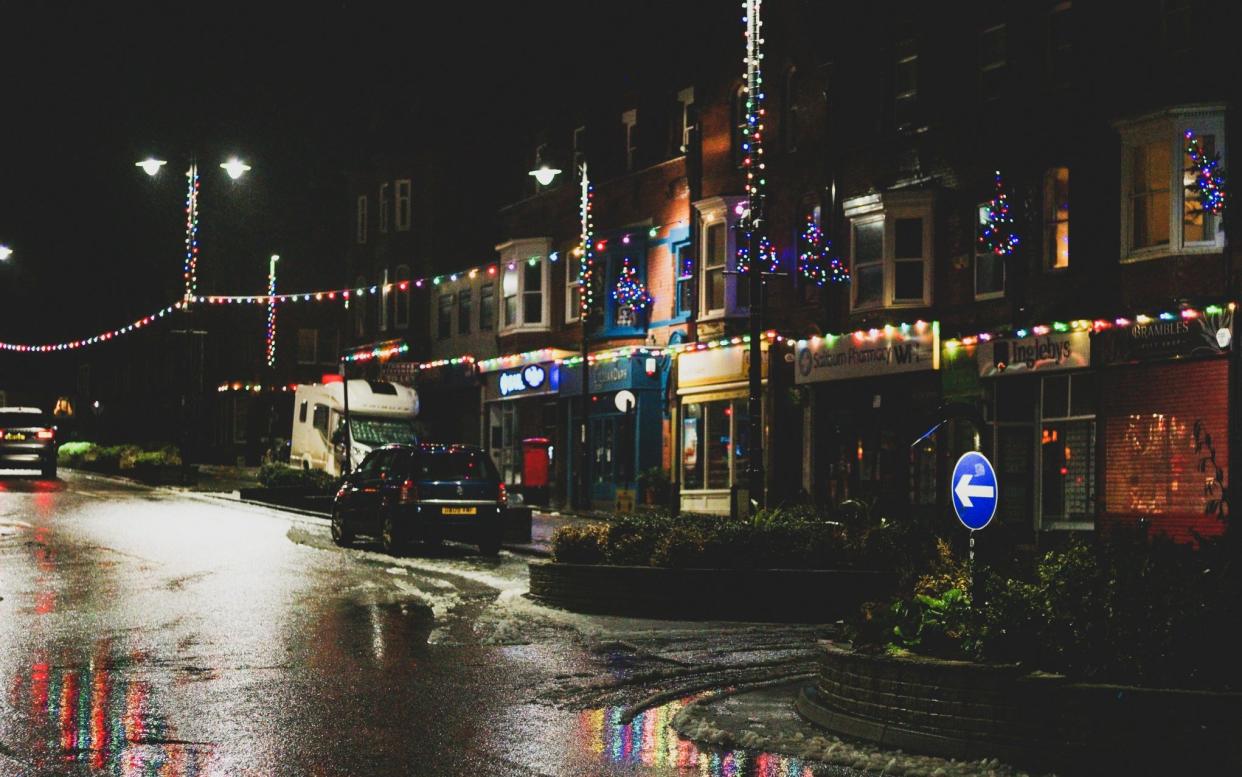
235	168
271	311
755	225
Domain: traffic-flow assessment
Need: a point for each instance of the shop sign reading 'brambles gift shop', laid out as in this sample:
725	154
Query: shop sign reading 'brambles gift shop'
1205	334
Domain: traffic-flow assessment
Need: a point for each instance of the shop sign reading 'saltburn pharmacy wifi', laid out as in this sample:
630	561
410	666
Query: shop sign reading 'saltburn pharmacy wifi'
850	356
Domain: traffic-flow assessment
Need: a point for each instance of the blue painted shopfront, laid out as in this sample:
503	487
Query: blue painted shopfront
622	445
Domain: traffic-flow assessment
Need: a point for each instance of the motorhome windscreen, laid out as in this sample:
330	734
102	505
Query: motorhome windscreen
373	431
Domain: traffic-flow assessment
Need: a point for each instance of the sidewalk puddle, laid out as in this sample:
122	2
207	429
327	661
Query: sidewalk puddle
649	741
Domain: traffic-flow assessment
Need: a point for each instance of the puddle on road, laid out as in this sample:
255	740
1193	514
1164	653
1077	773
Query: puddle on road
649	741
93	716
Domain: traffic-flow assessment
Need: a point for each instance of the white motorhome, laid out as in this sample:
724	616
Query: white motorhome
379	413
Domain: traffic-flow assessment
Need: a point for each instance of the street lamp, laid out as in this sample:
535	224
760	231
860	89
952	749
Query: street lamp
234	167
5	253
544	174
151	166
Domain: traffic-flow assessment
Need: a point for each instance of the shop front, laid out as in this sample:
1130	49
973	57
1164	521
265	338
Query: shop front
878	430
1165	424
714	427
625	415
520	403
1043	403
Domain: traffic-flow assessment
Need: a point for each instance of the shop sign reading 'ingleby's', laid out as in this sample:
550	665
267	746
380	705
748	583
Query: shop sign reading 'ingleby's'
864	355
1054	351
1206	334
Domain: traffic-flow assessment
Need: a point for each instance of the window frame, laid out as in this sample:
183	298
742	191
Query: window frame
490	323
360	229
995	65
385	295
381	201
1168	127
1041	419
303	333
1052	219
629	119
987	295
444	314
573	308
401	205
711	212
680	280
514	255
401	302
890	208
465	312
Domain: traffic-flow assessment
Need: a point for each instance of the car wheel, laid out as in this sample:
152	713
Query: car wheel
49	470
490	546
341	534
390	536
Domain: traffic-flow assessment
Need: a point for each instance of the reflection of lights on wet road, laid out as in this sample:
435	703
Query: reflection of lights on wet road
648	740
91	716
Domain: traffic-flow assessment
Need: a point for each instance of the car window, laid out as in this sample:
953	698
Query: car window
455	465
12	419
370	465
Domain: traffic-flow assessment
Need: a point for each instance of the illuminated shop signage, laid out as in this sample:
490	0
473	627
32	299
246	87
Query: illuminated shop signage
1053	351
1201	334
864	354
533	378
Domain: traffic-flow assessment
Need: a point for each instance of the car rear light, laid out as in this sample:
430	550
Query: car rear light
45	434
409	492
502	496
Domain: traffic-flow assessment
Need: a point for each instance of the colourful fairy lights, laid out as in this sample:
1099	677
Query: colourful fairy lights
752	141
271	311
1209	182
816	261
586	248
996	227
71	345
191	233
629	289
380	351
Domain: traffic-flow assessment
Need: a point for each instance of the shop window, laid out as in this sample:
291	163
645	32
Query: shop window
1056	218
1067	449
989	268
992	62
683	256
401	205
891	246
1161	215
487	307
465	299
382	204
444	316
715	444
401	315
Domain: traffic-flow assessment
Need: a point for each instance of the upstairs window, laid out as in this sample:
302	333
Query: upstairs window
714	245
444	316
382	201
992	62
1161	213
791	118
1056	218
989	268
573	293
683	271
685	102
487	307
630	120
1060	45
905	84
891	245
465	300
524	284
360	230
402	210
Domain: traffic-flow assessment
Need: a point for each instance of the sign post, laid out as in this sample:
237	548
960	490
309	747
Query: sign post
975	495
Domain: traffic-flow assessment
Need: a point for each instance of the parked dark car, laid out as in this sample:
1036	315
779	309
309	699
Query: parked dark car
27	440
427	492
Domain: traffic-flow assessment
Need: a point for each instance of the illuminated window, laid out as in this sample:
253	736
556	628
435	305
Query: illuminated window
1149	194
683	256
1056	218
1067	448
715	446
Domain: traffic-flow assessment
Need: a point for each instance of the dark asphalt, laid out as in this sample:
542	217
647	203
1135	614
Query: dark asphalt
152	632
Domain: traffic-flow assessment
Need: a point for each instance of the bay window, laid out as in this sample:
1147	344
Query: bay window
891	246
524	269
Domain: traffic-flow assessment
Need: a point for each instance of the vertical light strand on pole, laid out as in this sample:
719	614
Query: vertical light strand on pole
586	273
271	311
754	226
191	234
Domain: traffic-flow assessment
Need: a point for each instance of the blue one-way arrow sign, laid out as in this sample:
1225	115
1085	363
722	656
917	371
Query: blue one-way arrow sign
975	494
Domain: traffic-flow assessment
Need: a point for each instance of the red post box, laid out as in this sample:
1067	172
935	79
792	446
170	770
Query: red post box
536	464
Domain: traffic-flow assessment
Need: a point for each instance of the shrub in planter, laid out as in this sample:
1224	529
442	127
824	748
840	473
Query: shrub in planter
683	546
654	485
276	475
580	544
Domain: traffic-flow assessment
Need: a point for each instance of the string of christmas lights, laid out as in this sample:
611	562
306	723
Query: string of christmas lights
586	263
1091	325
382	351
255	388
766	249
271	313
71	345
191	233
1209	183
996	230
752	138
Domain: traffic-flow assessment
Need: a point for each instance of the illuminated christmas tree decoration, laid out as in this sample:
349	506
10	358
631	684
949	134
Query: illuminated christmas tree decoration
816	262
629	289
1209	183
996	229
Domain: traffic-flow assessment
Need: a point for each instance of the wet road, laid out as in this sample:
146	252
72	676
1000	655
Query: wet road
153	632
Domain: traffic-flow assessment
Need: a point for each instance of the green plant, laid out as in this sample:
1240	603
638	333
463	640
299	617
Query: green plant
583	544
654	482
276	475
682	546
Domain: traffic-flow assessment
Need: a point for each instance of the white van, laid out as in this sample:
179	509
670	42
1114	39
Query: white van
379	413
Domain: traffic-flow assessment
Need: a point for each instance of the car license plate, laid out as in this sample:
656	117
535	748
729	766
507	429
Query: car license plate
460	510
15	436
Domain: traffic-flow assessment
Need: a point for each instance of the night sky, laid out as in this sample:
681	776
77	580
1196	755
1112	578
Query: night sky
302	95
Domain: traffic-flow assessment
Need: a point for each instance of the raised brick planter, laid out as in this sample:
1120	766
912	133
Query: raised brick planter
788	595
959	709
